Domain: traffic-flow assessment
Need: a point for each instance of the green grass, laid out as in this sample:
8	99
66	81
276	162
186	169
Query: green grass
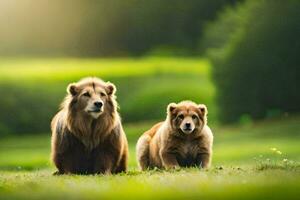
244	167
229	183
74	68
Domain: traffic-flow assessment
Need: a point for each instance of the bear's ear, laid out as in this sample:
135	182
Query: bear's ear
111	88
171	108
72	89
203	109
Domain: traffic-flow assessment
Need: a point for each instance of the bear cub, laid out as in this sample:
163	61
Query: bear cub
182	140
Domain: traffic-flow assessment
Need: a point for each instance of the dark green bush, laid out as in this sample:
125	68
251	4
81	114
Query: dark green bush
256	71
27	108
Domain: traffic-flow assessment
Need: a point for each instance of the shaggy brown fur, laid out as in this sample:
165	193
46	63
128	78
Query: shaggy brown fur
182	140
87	134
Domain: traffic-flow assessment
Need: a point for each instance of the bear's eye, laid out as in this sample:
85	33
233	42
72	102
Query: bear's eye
180	116
86	94
194	117
102	94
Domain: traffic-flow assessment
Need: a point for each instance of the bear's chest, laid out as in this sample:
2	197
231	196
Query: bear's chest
187	153
188	147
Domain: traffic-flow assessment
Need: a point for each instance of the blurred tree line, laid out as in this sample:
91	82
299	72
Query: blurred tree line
103	27
255	52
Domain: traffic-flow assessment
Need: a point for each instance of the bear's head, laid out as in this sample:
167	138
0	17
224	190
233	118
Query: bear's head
187	117
92	96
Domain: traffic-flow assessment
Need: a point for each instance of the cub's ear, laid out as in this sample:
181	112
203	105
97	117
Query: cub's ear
171	108
203	109
111	88
72	89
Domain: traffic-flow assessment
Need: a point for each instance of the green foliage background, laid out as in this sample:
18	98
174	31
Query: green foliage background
256	59
252	46
33	88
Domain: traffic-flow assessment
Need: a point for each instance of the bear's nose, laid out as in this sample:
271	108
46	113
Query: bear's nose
98	104
188	125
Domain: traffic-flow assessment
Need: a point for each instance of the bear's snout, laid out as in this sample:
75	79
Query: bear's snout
98	104
187	125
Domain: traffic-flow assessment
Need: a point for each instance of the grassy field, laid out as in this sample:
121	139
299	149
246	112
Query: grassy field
254	160
245	166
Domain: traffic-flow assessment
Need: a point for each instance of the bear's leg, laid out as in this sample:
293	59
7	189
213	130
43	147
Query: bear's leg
65	164
59	165
104	162
73	161
169	159
142	152
203	160
122	167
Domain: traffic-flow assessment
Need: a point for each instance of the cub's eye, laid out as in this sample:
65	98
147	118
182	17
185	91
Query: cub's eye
180	116
194	117
86	94
102	94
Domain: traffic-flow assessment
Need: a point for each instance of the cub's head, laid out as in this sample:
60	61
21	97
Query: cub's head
187	117
92	96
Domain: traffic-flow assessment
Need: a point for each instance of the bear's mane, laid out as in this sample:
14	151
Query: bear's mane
88	130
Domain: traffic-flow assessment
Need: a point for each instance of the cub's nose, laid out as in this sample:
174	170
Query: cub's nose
98	104
188	125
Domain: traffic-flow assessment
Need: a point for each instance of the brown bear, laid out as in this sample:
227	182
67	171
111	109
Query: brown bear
182	140
87	134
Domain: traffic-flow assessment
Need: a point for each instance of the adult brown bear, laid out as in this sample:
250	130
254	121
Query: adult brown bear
182	140
87	134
